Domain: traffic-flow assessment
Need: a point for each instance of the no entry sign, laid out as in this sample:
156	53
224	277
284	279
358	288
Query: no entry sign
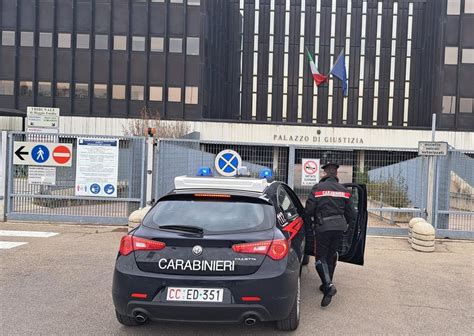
61	154
309	172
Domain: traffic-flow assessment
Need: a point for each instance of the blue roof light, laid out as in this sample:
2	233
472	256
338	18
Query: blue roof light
266	173
204	171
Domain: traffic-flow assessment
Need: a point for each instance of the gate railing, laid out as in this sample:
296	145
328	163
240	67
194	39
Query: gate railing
29	202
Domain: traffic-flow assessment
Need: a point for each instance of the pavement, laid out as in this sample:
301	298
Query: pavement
61	285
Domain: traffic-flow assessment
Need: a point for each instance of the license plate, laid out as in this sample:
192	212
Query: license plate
195	294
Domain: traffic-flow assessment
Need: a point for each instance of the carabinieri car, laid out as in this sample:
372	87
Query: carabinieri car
219	249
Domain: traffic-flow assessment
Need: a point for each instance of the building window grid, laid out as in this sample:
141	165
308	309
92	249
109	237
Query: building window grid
347	49
377	62
362	63
316	51
255	61
392	64
408	65
241	8
285	61
301	63
270	60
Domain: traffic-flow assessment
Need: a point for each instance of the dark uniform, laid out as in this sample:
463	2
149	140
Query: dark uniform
330	206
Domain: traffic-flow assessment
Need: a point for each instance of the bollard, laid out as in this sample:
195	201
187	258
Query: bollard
412	222
423	237
137	216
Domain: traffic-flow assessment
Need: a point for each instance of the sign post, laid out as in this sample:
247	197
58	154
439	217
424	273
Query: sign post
42	154
310	172
42	119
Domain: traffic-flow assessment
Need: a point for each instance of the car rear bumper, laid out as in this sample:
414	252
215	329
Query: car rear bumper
277	290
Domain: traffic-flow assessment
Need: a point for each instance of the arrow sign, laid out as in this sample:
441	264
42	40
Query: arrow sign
19	152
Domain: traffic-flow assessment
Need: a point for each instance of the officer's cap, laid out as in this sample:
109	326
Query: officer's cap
329	164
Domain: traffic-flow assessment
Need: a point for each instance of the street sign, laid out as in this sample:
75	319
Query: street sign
228	162
41	175
309	172
42	117
432	148
42	154
97	167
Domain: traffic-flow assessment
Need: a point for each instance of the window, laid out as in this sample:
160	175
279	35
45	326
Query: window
466	105
451	55
120	42
157	44
157	0
469	6
138	43
468	56
176	45
156	93
8	38
64	40
174	94
118	92
453	7
191	95
100	90
46	40
102	42
286	204
44	89
194	2
192	46
6	87
62	90
26	39
136	92
82	41
176	1
26	88
213	215
449	104
82	90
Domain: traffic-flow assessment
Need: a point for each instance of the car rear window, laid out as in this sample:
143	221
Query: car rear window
213	215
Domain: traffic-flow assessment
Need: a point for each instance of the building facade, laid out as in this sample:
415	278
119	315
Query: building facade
242	60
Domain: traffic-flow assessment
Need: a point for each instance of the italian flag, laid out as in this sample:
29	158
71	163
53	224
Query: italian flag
318	78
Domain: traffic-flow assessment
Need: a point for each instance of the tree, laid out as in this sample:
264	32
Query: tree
149	119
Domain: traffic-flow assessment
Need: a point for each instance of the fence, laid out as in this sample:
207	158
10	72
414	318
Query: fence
397	181
58	202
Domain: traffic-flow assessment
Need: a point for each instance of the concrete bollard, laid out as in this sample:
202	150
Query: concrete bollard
412	222
423	237
137	216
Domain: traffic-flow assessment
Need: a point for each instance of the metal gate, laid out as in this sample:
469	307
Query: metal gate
58	202
397	181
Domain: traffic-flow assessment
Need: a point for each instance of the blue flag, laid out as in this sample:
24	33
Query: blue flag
339	71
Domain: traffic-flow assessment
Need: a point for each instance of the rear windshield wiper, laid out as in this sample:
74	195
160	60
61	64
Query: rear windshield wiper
183	228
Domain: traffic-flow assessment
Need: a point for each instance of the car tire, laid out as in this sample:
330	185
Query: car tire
293	320
305	260
127	320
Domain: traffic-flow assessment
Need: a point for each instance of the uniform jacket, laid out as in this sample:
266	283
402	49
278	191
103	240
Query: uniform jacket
330	205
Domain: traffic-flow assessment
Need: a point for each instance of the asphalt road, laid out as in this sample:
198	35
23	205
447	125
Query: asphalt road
61	285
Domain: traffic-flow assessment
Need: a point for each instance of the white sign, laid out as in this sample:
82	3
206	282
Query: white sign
42	130
309	172
432	148
97	167
42	154
228	162
42	175
44	117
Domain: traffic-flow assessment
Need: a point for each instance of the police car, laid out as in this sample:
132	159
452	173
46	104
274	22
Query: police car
215	249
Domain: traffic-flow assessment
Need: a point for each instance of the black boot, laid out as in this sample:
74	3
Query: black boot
329	288
332	268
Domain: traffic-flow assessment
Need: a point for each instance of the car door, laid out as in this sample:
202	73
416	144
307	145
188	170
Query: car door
352	246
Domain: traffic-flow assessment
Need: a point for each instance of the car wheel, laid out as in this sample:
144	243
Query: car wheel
127	320
293	320
305	260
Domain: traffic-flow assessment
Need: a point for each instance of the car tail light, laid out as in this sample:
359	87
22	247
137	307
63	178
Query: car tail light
275	249
128	244
251	298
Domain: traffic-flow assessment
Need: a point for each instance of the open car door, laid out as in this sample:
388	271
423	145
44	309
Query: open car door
352	246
